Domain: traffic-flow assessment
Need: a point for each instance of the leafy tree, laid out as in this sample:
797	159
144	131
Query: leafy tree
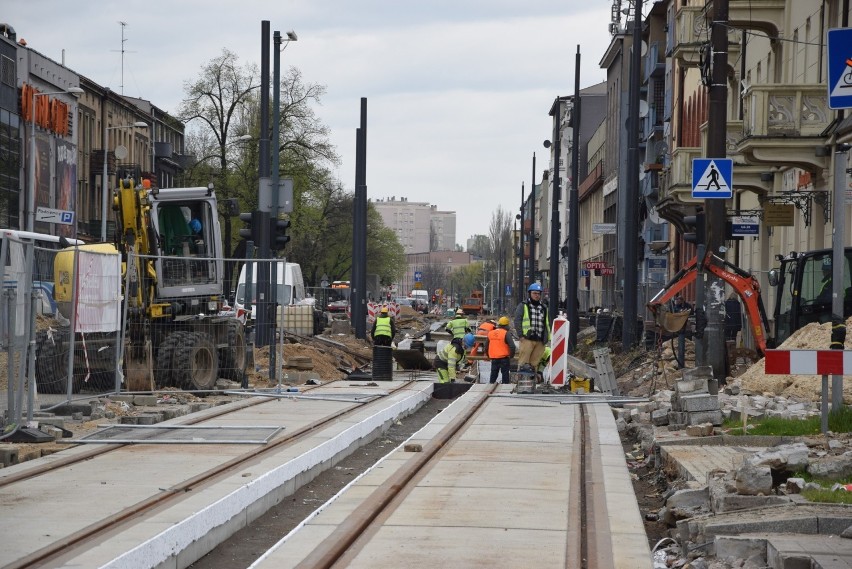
222	106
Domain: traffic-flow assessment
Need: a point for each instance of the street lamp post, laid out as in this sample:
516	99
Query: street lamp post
76	91
105	175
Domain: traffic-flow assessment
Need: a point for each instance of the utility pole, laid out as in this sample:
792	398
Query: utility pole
532	229
574	216
519	294
359	257
555	196
631	223
714	334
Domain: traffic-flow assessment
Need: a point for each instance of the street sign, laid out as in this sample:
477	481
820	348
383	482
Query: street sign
584	272
745	226
418	285
840	68
508	290
418	276
712	178
603	228
657	264
51	215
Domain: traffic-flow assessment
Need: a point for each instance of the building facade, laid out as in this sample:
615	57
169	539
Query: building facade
69	133
420	226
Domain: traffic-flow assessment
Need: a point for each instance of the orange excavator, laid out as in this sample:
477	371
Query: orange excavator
745	285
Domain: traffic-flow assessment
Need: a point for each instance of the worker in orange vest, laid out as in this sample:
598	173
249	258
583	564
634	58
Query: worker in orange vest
501	349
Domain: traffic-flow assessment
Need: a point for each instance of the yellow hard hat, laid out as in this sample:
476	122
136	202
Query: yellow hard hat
504	321
384	309
459	312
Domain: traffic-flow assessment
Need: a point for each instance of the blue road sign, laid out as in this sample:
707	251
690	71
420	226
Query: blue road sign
840	68
508	290
418	276
712	178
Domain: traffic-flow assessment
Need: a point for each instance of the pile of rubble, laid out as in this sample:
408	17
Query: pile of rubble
811	337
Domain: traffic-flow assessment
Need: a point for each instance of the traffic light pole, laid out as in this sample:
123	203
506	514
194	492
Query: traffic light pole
263	333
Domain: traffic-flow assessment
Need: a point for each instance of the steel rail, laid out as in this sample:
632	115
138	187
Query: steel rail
62	546
340	542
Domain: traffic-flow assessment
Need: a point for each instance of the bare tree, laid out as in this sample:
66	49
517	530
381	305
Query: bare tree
500	253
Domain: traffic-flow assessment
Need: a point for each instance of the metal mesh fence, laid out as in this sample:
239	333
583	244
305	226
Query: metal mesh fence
140	323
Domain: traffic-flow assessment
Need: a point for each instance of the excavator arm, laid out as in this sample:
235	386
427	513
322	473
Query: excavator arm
745	285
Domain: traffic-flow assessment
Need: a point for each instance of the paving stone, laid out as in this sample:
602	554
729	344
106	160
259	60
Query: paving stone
734	547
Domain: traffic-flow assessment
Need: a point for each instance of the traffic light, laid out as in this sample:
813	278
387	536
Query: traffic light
252	223
695	224
278	237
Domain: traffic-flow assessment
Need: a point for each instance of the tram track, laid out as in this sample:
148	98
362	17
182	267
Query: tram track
341	545
176	491
411	508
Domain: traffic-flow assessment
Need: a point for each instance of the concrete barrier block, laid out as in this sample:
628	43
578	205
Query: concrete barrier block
8	455
144	400
691	386
713	417
699	403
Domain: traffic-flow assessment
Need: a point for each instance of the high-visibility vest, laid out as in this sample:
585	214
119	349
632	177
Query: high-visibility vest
383	326
525	323
457	327
497	347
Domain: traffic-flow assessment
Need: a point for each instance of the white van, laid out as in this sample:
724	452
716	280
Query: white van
290	284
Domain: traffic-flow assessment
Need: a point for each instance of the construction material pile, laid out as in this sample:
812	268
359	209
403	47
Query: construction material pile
803	387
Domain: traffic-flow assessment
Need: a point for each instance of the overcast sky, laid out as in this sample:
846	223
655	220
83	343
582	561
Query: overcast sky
458	91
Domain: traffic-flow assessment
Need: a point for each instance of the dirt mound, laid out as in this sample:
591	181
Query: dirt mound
811	337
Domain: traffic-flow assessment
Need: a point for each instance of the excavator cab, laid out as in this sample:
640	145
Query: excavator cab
804	291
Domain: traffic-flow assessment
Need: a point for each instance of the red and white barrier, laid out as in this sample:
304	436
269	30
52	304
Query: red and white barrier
559	350
808	362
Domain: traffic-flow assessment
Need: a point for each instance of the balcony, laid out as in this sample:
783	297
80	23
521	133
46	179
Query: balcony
676	183
655	64
782	125
691	31
763	15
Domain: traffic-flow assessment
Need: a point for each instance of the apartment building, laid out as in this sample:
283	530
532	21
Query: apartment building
420	226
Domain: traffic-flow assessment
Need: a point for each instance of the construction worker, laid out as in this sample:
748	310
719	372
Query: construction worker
533	325
542	364
500	348
483	330
458	326
383	329
449	360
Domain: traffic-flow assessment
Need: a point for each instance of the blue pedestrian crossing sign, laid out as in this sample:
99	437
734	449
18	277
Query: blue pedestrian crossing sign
711	178
840	68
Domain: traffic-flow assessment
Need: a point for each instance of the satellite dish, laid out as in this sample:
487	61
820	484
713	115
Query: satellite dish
644	49
120	152
643	108
654	215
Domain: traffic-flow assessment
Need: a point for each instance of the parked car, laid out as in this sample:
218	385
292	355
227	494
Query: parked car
338	306
402	301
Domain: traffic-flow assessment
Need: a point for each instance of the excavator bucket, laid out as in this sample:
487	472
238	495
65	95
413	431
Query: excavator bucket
139	369
672	322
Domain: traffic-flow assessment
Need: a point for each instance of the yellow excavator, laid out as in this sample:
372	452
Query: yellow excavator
175	330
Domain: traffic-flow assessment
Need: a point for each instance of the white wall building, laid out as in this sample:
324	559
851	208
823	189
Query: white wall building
415	222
